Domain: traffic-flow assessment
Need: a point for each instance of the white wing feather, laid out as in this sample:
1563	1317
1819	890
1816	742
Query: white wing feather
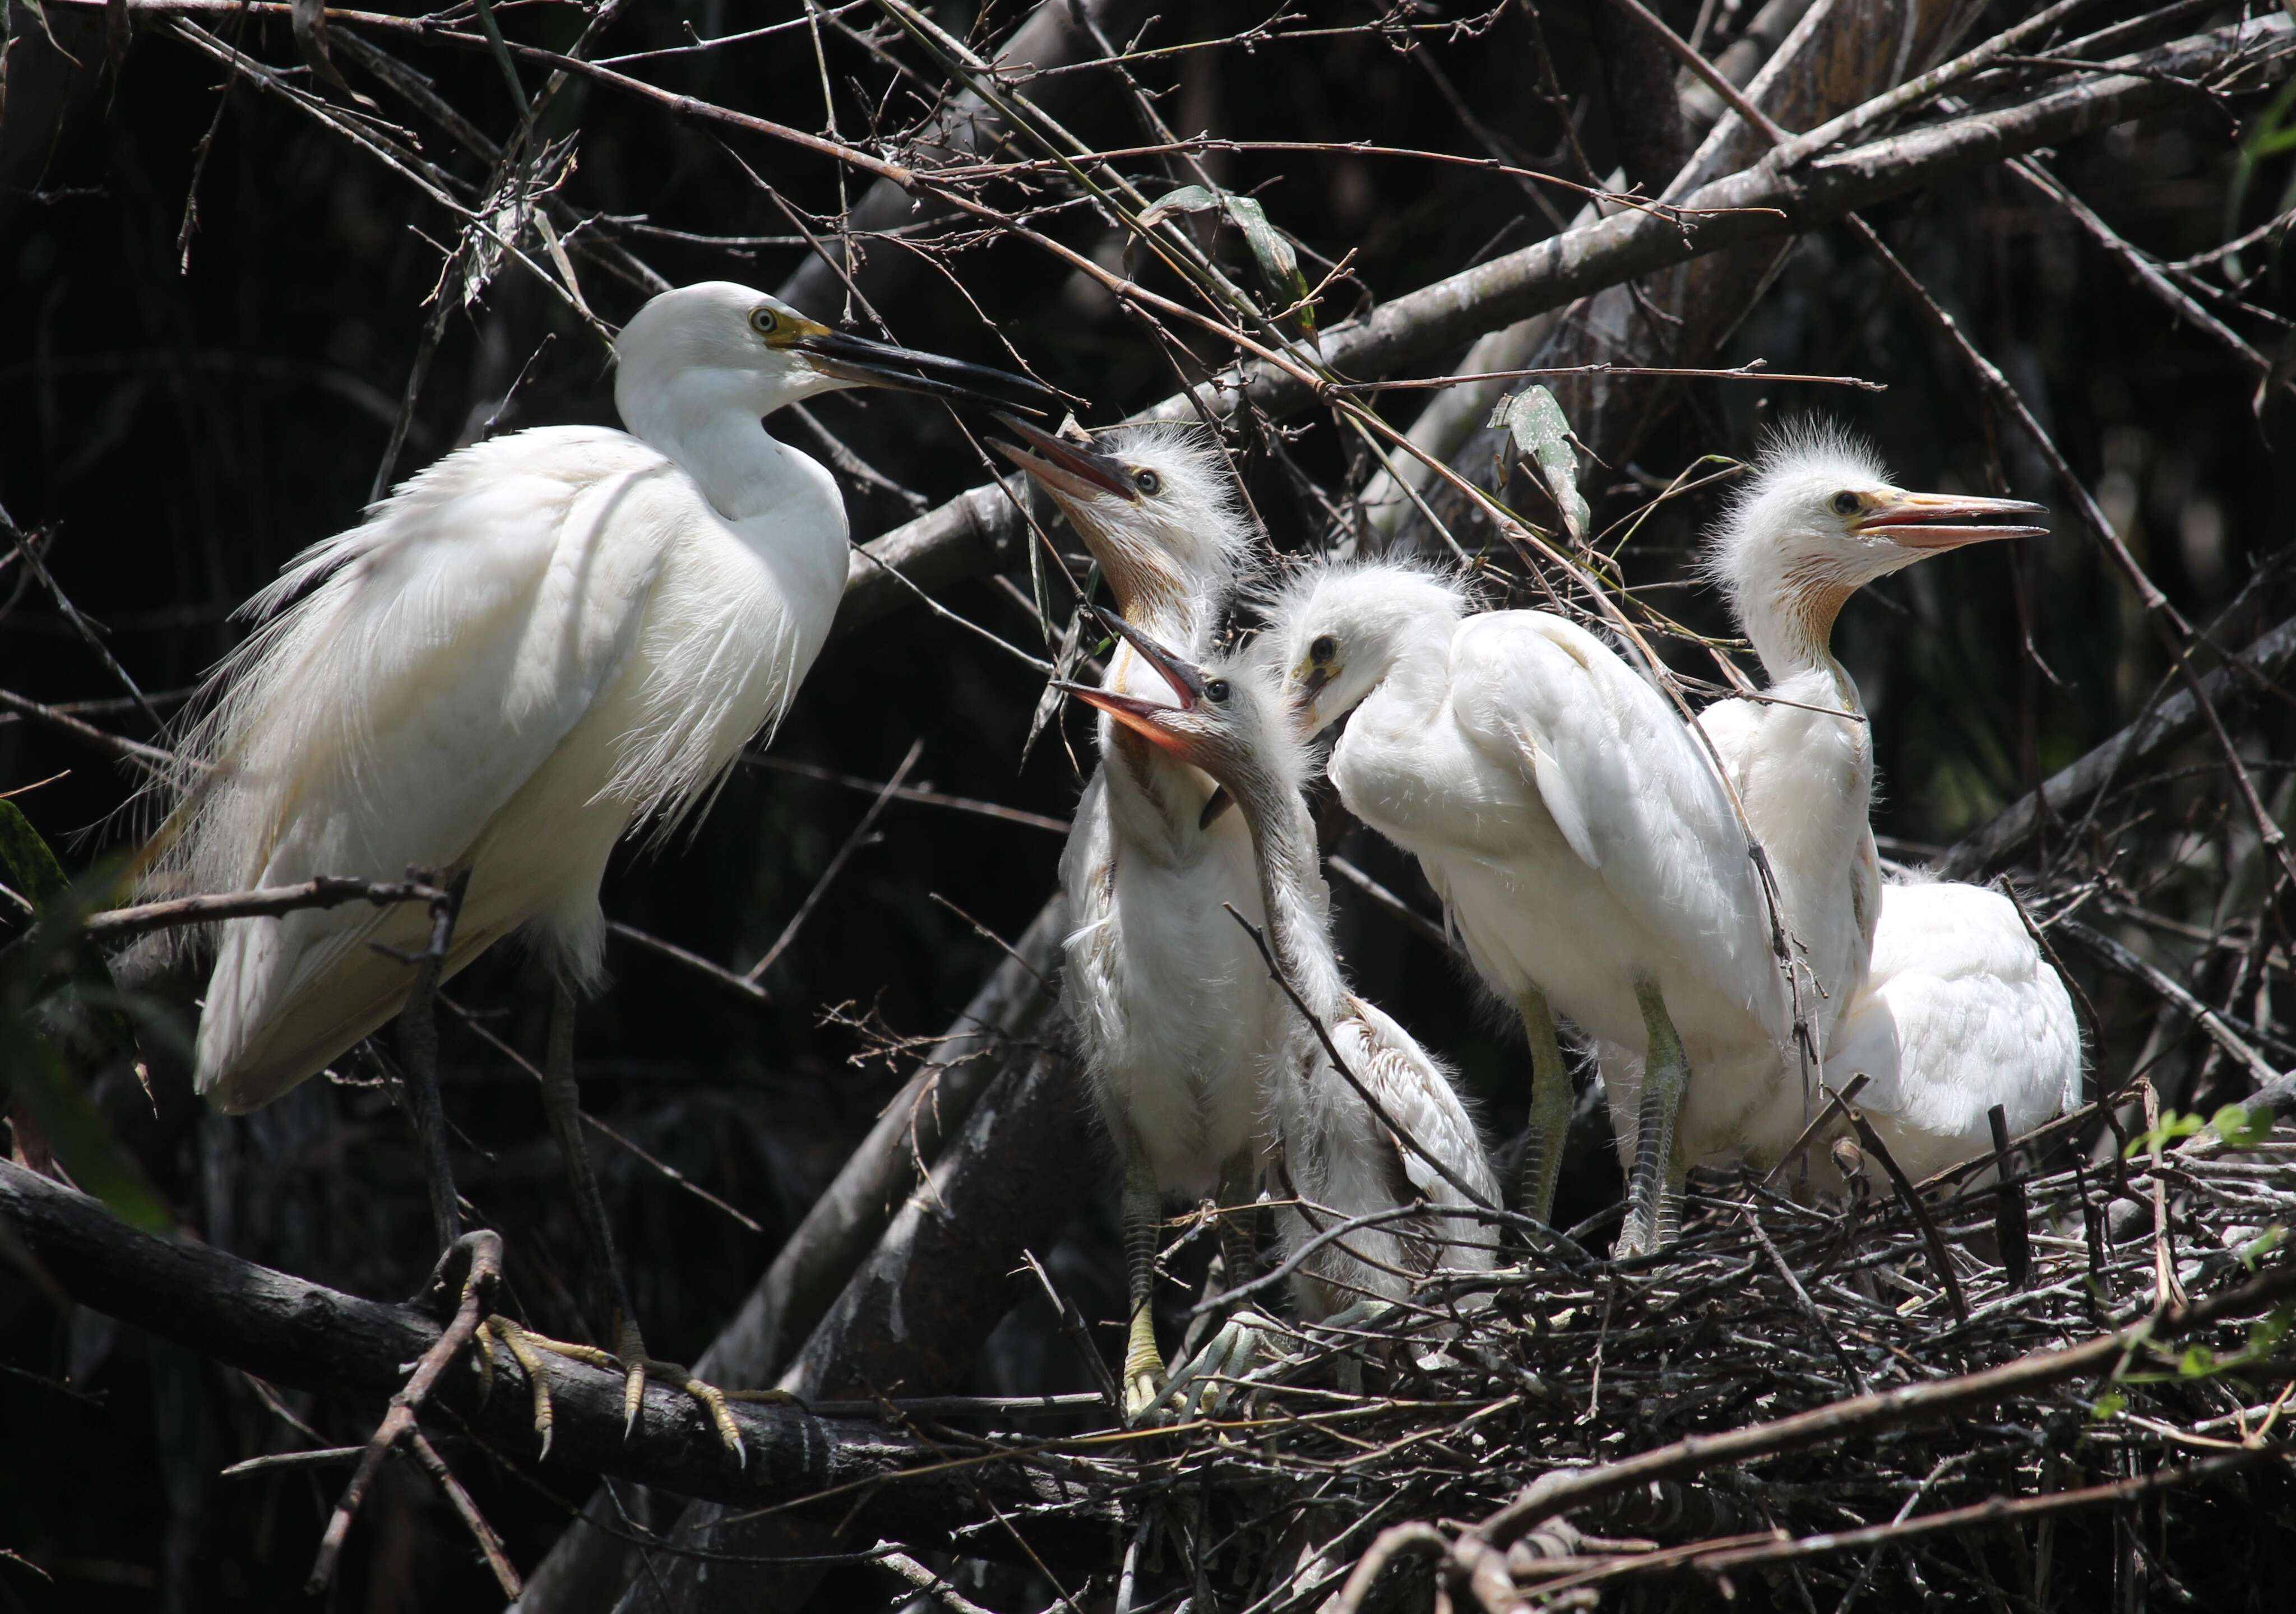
432	662
1629	787
1961	1012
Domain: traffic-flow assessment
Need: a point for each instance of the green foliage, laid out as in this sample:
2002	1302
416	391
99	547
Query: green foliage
49	978
1271	249
1539	429
2241	1126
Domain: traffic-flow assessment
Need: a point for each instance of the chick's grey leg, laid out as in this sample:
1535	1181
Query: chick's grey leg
1143	1218
1550	1107
1654	1189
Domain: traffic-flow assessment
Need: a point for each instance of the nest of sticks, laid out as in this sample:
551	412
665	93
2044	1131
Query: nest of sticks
2019	1387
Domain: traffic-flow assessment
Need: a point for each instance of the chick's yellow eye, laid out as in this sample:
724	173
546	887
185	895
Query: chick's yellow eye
1323	649
765	321
1215	691
1148	483
1845	504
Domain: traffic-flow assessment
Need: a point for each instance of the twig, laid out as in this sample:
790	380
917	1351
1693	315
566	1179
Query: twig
267	901
853	842
481	1253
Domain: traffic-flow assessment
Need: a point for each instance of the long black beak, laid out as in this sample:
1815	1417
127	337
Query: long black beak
868	362
1064	467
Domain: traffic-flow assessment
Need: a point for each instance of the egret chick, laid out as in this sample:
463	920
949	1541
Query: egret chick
1341	1157
1820	518
1960	1012
1572	826
529	648
1175	1016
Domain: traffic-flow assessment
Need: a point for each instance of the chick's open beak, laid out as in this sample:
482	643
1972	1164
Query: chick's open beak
1147	718
868	362
1946	520
1069	468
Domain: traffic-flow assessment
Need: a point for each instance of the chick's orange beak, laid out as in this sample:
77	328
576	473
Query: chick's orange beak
1146	717
1946	521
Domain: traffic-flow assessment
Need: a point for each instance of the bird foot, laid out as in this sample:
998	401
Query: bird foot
1201	1385
530	1349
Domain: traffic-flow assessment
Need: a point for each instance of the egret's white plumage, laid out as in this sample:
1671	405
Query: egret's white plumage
1338	1157
1582	843
1820	518
1174	1017
529	648
1172	1008
1961	1011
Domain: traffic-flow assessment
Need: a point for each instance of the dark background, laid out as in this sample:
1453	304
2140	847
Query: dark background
174	426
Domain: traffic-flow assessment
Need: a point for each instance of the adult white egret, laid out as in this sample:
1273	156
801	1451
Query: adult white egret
1340	1153
1571	824
1820	518
529	648
1175	1016
1961	1011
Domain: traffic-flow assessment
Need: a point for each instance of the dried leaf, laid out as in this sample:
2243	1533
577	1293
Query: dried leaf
1537	425
310	19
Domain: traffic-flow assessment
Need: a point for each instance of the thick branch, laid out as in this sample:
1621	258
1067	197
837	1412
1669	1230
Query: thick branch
291	1333
972	531
2174	719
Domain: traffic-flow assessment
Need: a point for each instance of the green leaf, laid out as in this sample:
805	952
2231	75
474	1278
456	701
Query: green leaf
2263	1244
2240	1126
76	1132
2109	1404
1537	425
2172	1126
1271	249
2198	1362
32	868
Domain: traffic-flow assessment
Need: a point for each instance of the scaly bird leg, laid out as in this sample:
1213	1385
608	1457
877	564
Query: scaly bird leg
1239	1185
1143	1217
418	1057
561	1100
1195	1389
1550	1108
1655	1190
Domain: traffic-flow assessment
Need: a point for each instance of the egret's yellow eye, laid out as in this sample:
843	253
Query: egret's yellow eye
1148	483
1846	503
765	321
1323	649
1215	691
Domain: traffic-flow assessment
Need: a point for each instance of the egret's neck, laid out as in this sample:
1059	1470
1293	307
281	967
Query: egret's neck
708	422
1297	931
1790	627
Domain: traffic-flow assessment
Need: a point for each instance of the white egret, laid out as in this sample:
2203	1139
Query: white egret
530	647
1340	1156
1175	1018
1819	520
1574	827
1960	1012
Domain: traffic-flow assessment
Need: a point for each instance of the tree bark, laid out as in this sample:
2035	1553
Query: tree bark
915	1316
297	1333
587	1567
